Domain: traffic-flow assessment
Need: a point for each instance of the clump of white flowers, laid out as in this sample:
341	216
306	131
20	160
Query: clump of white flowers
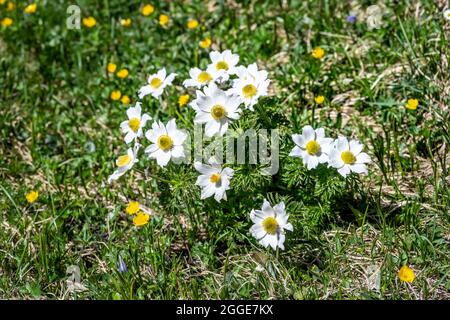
226	92
228	87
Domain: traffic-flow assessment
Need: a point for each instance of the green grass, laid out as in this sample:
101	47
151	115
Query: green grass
59	134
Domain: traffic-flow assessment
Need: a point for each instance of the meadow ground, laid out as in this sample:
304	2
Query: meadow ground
59	135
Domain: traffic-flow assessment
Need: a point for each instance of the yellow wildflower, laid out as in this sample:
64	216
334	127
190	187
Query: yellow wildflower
115	95
125	99
183	99
192	24
31	8
318	53
412	104
147	10
125	22
141	219
205	43
122	74
89	22
133	207
319	99
163	19
10	6
406	274
6	22
111	67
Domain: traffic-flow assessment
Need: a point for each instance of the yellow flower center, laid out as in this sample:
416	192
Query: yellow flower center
204	77
156	83
249	91
313	147
165	142
141	219
123	160
215	177
133	207
270	225
222	65
218	112
348	157
134	124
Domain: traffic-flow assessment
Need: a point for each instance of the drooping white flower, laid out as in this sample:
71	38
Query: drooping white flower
156	84
213	179
125	163
167	142
270	225
216	108
223	63
199	78
250	84
311	146
447	14
347	157
132	128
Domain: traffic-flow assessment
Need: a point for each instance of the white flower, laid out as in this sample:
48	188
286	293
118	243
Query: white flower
133	126
199	78
447	14
223	63
269	225
216	108
125	163
250	85
347	157
156	84
311	146
167	142
213	179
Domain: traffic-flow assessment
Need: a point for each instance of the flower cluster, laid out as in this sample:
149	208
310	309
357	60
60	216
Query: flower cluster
314	148
215	106
226	92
